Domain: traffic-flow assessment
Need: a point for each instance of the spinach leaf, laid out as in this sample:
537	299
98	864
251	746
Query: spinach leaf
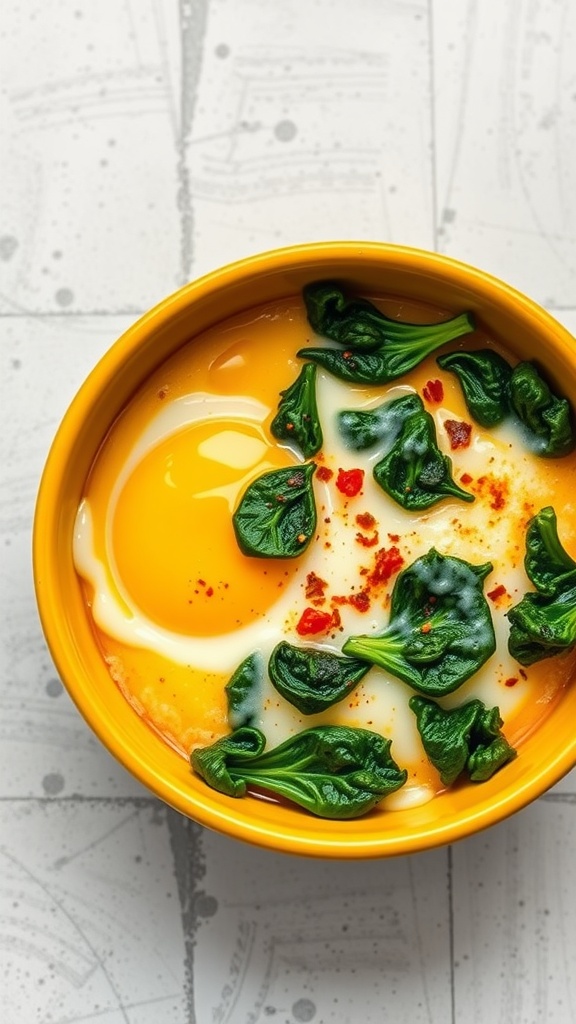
243	691
297	418
484	377
541	627
357	324
465	739
364	428
276	517
440	630
354	323
311	679
333	771
377	348
415	473
548	566
543	623
547	419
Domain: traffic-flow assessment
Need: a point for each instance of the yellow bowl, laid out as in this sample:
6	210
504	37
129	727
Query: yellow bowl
528	330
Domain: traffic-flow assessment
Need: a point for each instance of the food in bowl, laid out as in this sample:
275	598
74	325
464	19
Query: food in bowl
320	552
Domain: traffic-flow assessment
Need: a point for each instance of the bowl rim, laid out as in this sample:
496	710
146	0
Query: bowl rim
207	810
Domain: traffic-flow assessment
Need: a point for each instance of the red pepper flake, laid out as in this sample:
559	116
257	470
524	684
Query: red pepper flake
498	592
210	592
394	537
523	674
324	473
312	622
459	433
367	542
466	478
366	520
433	391
511	681
201	583
315	587
386	563
497	491
349	481
426	627
360	601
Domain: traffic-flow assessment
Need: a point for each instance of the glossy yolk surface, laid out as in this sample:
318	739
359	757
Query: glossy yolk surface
180	562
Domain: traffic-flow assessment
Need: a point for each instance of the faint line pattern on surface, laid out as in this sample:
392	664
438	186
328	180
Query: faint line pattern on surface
193	19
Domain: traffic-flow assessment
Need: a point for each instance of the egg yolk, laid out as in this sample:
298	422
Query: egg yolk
172	538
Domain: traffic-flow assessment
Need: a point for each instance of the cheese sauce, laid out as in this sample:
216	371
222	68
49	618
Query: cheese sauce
175	604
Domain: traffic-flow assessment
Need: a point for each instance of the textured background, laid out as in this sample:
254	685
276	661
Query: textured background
143	142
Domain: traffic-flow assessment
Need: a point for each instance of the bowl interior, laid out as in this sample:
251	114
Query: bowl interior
525	329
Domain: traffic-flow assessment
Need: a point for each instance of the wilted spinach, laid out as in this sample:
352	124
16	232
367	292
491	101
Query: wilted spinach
465	739
333	771
546	418
484	378
440	630
543	623
243	691
377	348
415	473
311	679
548	566
297	419
276	517
493	390
365	428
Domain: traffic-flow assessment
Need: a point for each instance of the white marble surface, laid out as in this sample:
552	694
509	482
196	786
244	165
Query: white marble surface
143	142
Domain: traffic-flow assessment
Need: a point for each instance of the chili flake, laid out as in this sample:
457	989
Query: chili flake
433	391
498	592
349	481
511	681
386	563
459	433
366	520
315	587
312	622
360	601
367	542
324	474
466	478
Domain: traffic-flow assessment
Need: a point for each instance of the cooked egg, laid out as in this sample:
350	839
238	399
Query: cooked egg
176	604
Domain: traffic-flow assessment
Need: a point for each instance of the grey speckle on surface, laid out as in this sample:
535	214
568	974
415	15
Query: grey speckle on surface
285	130
8	246
303	1010
53	783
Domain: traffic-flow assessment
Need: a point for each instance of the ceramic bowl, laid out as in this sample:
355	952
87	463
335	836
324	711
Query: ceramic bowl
367	268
